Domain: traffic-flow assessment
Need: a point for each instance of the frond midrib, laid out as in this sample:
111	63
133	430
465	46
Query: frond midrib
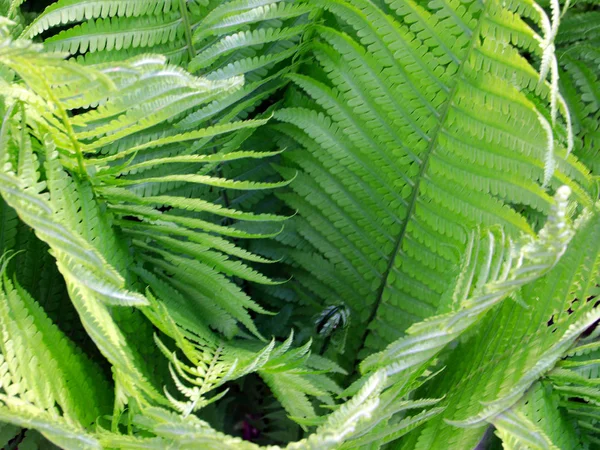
183	11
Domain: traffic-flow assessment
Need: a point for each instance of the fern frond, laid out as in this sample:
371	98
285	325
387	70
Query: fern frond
103	31
413	149
218	24
57	430
68	209
216	363
104	35
90	278
577	45
538	420
492	270
526	344
46	382
67	11
516	430
416	122
241	40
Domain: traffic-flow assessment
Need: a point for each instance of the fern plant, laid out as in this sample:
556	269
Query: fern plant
578	66
298	223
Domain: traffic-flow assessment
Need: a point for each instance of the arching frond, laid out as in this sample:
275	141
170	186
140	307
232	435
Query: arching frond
69	206
254	39
529	338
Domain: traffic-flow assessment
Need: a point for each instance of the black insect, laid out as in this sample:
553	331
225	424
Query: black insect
332	318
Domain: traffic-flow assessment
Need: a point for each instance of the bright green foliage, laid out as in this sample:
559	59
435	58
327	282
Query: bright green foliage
523	335
74	214
416	169
578	55
493	269
299	224
257	39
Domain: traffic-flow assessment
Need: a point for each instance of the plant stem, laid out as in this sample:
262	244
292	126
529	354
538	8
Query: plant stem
64	117
188	30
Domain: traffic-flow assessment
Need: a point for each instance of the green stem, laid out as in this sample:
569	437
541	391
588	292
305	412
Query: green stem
188	30
71	133
64	117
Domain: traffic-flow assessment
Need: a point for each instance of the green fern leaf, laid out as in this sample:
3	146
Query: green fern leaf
396	166
67	11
